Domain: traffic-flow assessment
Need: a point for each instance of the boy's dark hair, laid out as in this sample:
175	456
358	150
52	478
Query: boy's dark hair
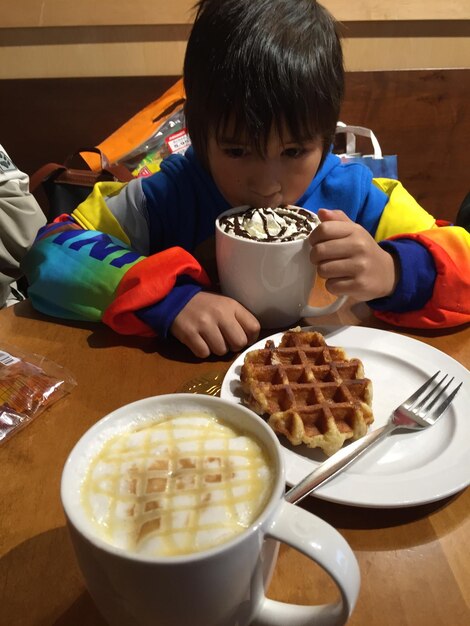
259	64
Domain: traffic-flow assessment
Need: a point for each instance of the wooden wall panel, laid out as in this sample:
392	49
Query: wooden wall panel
358	10
45	120
66	38
41	13
45	13
423	116
159	50
406	45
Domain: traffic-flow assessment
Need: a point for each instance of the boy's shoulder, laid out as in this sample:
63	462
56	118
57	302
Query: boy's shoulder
178	163
348	187
184	170
346	172
337	179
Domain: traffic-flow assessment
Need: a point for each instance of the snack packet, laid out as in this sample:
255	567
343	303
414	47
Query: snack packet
170	137
29	384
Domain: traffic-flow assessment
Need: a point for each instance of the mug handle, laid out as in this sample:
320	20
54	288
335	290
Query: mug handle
324	545
314	311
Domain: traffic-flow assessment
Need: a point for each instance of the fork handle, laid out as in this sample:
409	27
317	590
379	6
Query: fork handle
336	463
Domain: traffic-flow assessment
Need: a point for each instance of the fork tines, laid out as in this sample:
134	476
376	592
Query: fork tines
421	406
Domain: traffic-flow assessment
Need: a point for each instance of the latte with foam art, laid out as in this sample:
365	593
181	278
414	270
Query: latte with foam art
175	486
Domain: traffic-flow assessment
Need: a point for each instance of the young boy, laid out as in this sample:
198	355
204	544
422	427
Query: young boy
264	82
20	219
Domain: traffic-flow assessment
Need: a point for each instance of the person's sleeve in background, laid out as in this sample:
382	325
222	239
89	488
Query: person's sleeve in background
20	219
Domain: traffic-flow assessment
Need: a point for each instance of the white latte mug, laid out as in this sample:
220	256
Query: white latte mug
224	585
271	279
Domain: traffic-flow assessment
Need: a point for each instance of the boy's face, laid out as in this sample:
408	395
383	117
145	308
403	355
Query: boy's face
281	177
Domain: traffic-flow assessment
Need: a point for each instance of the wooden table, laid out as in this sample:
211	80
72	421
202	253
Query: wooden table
415	562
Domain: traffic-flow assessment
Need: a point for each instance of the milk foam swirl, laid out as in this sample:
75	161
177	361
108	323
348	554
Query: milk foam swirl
270	224
176	486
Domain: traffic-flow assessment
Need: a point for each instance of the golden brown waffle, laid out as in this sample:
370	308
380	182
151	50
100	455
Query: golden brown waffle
312	393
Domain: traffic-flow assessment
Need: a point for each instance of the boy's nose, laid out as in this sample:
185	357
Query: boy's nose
266	183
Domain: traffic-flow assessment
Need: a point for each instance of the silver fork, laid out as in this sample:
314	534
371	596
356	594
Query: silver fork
417	412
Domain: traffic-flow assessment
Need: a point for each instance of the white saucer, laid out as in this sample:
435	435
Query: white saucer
408	468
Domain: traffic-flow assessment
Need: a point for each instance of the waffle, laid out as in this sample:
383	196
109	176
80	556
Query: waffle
313	393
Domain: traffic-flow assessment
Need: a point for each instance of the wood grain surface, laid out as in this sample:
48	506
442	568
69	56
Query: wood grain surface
415	562
422	116
46	13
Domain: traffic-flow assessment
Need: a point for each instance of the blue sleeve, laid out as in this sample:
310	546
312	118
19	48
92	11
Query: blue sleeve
182	202
417	277
160	316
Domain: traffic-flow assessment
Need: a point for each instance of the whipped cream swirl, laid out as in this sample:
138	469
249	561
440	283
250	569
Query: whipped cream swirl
270	224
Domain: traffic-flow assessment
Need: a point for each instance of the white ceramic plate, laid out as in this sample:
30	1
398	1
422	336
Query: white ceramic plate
407	468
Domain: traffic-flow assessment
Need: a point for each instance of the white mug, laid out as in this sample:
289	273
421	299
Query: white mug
271	279
224	585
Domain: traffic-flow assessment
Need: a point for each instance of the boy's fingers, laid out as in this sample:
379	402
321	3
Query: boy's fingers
196	344
218	330
235	337
329	215
249	323
215	341
330	229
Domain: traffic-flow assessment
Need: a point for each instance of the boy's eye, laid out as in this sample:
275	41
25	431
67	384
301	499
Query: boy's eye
293	153
235	152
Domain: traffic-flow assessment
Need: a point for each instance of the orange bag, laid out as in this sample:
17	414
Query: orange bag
137	131
135	149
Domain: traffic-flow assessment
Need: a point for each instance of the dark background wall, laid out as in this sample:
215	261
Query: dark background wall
423	116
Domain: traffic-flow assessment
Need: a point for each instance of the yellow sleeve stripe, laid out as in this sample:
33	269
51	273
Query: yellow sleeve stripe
402	214
93	214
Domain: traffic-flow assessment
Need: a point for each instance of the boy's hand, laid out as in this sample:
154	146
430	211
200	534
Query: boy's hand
214	323
350	260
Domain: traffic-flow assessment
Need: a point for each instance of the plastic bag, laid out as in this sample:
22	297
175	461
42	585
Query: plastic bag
381	165
29	384
169	138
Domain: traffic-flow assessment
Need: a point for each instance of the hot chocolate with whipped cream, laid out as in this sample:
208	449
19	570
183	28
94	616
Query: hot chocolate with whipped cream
271	224
263	262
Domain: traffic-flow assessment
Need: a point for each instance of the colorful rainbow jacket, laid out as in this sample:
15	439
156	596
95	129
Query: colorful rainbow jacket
127	255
